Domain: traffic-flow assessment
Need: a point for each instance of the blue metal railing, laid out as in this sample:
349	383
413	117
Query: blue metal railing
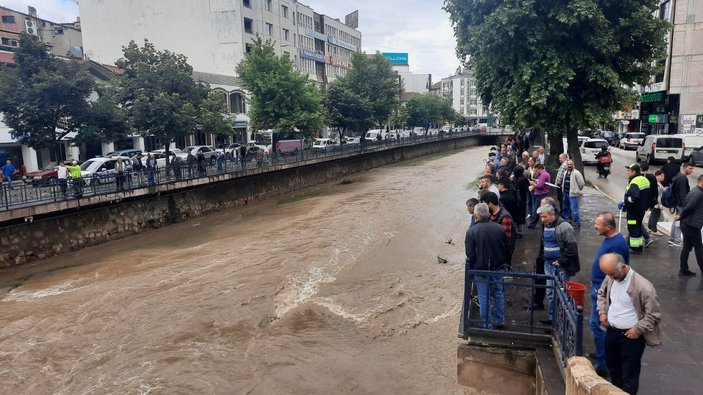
31	193
567	326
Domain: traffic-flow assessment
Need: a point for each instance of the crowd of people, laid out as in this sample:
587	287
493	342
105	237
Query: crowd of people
516	190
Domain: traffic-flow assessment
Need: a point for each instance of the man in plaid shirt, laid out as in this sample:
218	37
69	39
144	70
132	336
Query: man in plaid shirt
502	217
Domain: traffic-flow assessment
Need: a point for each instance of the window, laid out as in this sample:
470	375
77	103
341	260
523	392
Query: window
284	11
247	3
269	29
58	31
665	10
8	19
267	5
248	25
285	34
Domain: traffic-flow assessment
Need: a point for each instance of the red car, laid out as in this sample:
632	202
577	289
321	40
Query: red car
43	176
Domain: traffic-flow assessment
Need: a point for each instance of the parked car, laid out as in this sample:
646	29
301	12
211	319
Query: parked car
658	147
43	176
129	153
590	147
46	175
209	152
631	140
353	140
160	158
99	169
611	137
697	157
691	142
323	144
371	135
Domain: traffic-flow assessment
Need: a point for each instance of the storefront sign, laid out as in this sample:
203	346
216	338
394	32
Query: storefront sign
399	58
318	57
655	97
688	120
316	35
657	118
334	40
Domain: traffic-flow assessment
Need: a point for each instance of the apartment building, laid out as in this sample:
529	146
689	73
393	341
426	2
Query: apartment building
63	39
216	34
673	102
417	83
460	88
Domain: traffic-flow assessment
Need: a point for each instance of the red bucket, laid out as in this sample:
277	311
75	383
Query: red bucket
577	291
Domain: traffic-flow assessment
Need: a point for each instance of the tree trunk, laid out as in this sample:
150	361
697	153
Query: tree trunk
556	147
572	139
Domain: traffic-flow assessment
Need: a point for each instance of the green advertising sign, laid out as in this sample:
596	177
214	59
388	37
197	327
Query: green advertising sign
652	97
652	118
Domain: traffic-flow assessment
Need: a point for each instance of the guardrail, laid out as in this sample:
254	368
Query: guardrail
519	288
29	193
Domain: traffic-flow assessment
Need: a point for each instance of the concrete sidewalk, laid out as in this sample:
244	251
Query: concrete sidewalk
673	368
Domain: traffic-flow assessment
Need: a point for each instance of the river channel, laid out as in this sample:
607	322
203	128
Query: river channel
335	289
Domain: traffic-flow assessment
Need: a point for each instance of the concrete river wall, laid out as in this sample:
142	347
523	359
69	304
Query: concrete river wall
38	232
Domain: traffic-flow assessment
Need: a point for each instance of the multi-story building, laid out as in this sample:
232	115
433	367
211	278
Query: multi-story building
418	83
64	39
673	102
460	88
215	35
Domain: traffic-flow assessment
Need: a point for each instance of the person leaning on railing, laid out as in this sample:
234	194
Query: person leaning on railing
75	172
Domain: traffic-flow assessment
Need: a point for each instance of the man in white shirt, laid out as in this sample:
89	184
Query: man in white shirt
62	175
486	182
628	307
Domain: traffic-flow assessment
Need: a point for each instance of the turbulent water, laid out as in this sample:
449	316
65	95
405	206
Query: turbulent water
335	289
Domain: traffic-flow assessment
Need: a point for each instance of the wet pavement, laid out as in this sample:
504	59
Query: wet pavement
674	367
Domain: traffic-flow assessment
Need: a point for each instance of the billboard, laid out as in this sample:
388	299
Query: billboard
352	20
399	58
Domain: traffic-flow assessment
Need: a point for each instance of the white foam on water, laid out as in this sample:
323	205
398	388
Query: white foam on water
16	295
339	310
306	284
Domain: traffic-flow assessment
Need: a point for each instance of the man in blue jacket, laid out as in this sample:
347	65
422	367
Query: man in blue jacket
485	250
614	242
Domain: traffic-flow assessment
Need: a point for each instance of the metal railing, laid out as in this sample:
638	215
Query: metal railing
35	192
566	329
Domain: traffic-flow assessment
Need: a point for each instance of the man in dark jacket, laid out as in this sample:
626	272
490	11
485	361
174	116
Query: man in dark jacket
691	218
680	189
671	168
559	251
485	250
635	203
502	217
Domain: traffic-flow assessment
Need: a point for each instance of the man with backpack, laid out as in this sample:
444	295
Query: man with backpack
679	188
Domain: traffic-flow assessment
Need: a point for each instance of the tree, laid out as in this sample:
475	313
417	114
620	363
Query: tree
429	109
45	100
282	98
374	80
399	118
560	64
159	94
347	110
210	115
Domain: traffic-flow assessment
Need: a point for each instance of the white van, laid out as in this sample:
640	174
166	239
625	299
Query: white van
659	147
373	134
691	143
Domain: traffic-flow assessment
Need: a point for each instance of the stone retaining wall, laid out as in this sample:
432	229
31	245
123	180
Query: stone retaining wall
41	231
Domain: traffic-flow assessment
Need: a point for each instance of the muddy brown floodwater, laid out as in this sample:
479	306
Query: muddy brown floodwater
335	289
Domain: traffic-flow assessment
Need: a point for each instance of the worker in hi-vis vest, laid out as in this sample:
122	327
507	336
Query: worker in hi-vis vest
636	203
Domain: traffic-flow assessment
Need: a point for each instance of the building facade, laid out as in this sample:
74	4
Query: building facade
417	83
460	88
673	102
215	35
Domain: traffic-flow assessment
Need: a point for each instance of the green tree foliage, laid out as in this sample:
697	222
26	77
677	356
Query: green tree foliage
373	79
45	99
210	115
347	110
559	64
399	118
429	109
281	98
159	94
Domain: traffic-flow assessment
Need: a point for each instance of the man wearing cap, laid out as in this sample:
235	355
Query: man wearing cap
635	203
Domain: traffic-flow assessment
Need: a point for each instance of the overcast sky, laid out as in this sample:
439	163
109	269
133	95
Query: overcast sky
419	27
